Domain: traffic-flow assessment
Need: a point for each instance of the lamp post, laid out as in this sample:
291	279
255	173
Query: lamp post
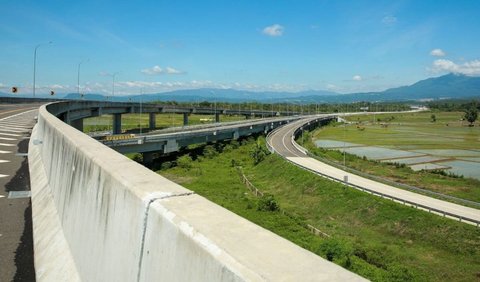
78	76
141	98
35	64
113	84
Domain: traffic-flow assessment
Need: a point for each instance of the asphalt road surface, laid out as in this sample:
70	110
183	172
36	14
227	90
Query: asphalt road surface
16	244
281	141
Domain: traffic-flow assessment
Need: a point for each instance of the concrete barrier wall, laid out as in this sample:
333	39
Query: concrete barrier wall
98	216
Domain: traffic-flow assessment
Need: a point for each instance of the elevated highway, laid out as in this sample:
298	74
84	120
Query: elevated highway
167	141
282	141
99	216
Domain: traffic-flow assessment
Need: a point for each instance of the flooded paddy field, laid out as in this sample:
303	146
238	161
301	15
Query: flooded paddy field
412	139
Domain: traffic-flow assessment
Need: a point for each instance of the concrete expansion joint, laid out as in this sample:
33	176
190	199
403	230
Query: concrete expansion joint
150	199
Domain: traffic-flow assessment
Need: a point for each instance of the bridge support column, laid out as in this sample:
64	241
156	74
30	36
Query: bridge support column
152	121
117	123
78	124
185	119
217	117
147	158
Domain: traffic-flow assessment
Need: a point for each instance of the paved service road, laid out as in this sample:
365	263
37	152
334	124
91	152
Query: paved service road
16	245
281	141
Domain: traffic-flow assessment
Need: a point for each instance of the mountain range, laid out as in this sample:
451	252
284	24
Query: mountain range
443	87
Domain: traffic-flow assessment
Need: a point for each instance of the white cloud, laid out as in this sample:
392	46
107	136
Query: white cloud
389	20
58	86
170	70
357	78
437	53
332	87
471	68
273	30
158	70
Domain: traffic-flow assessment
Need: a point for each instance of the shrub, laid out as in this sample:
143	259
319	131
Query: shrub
338	251
267	203
258	153
209	152
166	165
234	144
185	162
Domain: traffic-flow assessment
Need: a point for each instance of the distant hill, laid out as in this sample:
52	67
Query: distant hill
443	87
447	86
198	95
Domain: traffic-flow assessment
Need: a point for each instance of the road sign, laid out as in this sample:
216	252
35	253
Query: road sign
14	89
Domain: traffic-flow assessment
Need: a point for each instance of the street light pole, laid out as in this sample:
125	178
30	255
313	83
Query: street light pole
113	84
78	77
35	64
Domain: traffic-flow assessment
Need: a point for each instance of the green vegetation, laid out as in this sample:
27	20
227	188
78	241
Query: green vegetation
453	105
376	238
471	115
405	131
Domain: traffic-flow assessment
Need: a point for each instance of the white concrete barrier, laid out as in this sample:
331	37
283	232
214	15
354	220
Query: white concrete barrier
98	216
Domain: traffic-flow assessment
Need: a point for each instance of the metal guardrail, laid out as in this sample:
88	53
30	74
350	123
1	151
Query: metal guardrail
396	184
382	195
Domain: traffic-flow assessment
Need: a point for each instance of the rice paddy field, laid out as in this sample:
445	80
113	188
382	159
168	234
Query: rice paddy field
445	144
411	131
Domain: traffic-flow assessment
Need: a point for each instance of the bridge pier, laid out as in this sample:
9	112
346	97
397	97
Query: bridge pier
117	123
152	121
185	119
217	117
147	158
78	124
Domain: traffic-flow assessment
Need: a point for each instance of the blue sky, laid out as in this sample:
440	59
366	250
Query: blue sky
156	46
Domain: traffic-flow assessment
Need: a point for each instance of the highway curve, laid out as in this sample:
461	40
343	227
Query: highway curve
281	140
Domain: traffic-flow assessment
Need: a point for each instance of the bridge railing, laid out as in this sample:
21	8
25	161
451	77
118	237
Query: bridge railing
99	216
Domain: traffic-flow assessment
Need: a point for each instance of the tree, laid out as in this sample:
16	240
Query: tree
471	115
259	152
433	118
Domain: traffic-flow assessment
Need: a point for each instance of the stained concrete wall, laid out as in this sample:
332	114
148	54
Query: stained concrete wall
98	216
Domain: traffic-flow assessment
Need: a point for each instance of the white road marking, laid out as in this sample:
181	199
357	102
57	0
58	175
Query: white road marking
14	127
7	145
7	139
16	115
3	129
16	124
3	175
5	152
10	134
4	161
1	196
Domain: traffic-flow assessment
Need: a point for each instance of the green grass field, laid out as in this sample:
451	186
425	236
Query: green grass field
135	121
376	238
408	132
